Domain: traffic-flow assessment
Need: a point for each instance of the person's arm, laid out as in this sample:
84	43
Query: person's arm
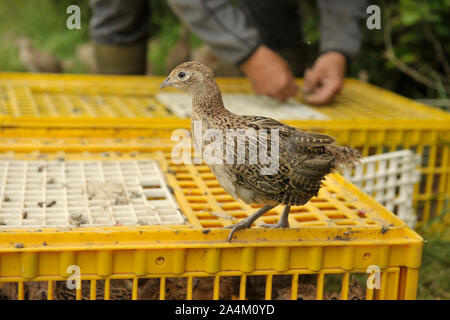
340	41
224	28
340	26
221	25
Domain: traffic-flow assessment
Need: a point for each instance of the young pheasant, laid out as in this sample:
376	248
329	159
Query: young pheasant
35	60
304	158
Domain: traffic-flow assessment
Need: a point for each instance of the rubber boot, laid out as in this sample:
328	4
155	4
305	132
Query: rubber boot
129	59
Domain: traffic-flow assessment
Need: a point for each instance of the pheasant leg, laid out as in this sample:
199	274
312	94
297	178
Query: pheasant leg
247	222
283	223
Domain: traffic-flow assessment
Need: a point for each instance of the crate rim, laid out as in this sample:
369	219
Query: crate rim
214	240
191	235
169	123
439	121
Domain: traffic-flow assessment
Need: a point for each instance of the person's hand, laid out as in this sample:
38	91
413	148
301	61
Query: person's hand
270	74
325	79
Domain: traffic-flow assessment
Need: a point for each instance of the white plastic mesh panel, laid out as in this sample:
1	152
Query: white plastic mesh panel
84	193
243	104
390	179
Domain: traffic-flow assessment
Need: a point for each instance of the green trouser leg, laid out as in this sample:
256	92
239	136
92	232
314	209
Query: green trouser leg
124	59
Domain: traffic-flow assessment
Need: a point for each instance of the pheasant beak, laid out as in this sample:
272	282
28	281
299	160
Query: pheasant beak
166	83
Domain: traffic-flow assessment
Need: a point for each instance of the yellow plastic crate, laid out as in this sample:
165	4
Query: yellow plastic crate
28	140
45	99
363	116
337	235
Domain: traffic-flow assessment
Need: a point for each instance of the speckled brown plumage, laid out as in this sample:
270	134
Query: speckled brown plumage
176	288
304	158
120	289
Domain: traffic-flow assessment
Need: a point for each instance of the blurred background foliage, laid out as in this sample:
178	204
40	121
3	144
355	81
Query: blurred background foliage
419	34
409	55
44	22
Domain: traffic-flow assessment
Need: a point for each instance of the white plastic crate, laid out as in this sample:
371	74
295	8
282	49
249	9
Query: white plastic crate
390	179
243	104
84	193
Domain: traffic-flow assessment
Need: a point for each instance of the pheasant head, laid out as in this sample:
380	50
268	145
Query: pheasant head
192	77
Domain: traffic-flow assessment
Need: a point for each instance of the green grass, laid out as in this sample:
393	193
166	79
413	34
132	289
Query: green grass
44	22
434	277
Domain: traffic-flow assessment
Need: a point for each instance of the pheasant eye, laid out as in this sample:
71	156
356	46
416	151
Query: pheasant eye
181	74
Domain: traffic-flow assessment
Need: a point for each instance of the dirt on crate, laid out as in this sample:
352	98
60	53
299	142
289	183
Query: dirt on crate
110	192
77	219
